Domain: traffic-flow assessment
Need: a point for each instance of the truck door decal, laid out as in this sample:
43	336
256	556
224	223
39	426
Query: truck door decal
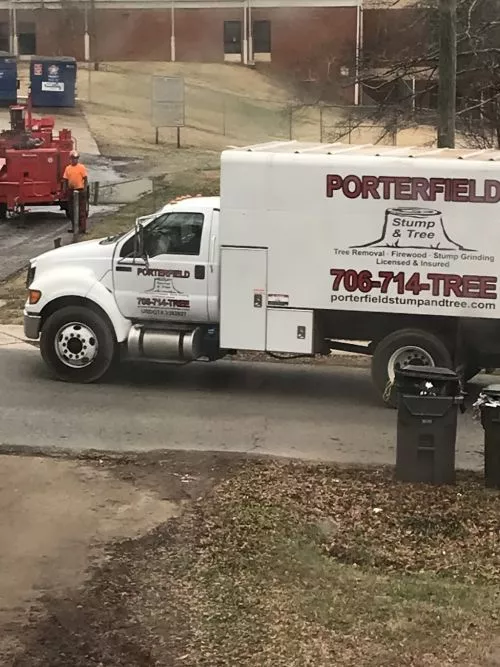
164	298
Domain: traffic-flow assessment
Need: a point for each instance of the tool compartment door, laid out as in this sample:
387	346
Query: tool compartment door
290	330
243	293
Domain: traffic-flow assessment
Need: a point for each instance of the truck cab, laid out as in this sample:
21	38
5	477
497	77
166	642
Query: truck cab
152	292
168	269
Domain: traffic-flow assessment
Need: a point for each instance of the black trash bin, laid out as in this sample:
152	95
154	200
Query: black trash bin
489	405
428	400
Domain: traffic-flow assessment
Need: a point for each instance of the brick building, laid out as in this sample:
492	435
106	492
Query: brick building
289	34
310	39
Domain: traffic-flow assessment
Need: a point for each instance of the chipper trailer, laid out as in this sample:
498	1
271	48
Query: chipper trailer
32	162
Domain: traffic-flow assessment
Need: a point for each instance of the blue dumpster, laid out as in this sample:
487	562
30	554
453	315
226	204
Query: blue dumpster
8	79
53	81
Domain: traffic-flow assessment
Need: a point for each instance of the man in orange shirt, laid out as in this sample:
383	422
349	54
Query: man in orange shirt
75	178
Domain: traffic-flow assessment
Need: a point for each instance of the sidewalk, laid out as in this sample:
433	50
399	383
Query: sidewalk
12	337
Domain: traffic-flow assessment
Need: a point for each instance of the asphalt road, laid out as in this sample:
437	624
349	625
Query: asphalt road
325	413
21	241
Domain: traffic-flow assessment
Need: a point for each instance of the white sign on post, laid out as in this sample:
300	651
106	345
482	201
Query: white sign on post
168	103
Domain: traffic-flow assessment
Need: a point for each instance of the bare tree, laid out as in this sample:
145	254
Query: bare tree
401	77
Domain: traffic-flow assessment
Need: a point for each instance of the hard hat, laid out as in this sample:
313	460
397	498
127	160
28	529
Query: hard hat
74	154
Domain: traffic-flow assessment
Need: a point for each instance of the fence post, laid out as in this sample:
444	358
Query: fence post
321	124
89	84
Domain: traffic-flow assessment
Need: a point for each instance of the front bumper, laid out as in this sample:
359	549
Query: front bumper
32	326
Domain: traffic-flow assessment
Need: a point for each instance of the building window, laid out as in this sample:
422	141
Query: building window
27	39
4	37
232	37
261	36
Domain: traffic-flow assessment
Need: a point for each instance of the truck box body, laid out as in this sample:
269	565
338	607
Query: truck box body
318	228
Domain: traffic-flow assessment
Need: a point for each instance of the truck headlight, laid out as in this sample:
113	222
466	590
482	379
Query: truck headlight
30	277
34	296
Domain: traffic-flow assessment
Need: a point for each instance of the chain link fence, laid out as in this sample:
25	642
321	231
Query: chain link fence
219	113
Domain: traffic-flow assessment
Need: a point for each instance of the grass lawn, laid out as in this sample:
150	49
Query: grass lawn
287	564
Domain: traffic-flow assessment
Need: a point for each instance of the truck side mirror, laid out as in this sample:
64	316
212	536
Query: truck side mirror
139	250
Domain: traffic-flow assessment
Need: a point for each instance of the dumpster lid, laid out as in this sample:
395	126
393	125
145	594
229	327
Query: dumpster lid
427	373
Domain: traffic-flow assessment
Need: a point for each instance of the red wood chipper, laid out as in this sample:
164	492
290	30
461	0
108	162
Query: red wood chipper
33	158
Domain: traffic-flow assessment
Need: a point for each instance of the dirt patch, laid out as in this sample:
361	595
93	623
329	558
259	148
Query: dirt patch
52	514
57	515
287	564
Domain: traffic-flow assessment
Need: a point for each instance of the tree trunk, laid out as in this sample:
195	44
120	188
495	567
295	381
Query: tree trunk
447	73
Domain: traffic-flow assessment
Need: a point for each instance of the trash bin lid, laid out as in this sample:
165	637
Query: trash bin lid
428	373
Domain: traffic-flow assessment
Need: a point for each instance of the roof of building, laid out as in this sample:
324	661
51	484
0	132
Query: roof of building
370	150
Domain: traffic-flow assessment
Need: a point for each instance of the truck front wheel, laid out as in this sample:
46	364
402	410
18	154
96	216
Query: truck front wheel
403	348
77	344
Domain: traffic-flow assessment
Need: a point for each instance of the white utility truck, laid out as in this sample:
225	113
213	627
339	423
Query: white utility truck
308	246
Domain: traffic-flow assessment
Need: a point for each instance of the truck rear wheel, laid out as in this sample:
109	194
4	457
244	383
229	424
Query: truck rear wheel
402	348
77	344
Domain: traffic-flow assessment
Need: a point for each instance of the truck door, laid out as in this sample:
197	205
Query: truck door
171	284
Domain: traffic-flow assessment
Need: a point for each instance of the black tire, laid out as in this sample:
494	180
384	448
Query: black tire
100	332
3	211
430	343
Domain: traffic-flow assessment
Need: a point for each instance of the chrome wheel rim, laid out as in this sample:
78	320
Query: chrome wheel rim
410	355
76	345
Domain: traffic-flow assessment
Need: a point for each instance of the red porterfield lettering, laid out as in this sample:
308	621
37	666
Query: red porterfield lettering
406	188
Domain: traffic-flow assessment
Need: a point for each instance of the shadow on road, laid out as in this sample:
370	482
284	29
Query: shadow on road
270	382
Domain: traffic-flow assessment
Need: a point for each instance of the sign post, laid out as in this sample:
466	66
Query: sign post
167	105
